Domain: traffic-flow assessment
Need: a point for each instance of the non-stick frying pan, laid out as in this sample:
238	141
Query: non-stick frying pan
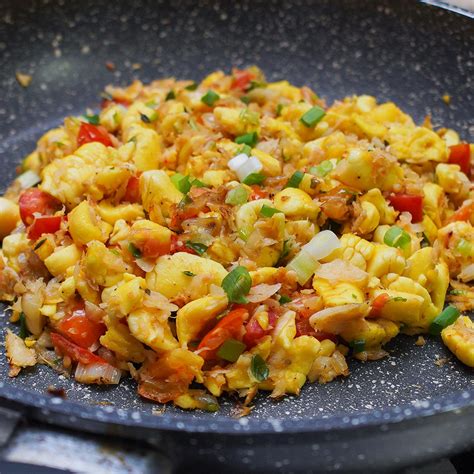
399	410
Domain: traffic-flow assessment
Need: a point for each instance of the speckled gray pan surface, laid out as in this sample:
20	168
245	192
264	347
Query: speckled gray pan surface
403	51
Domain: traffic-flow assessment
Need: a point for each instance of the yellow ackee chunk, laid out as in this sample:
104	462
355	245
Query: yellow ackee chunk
249	213
433	202
285	89
263	275
9	216
148	148
119	340
452	180
125	297
386	212
431	231
168	278
111	213
385	260
294	202
354	250
416	144
370	220
232	120
150	326
111	117
193	317
144	230
222	253
271	166
62	259
375	333
459	338
158	194
14	244
85	225
340	293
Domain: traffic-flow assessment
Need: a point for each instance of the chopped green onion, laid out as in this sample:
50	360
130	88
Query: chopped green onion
231	350
188	273
106	96
399	298
196	246
321	170
259	368
151	103
295	180
284	252
92	119
28	179
193	124
249	139
247	116
198	183
267	211
464	248
39	244
255	85
457	292
279	108
243	235
210	98
246	150
237	196
312	116
304	266
192	87
134	250
186	200
237	285
23	329
254	178
358	345
284	299
397	237
444	319
170	96
181	182
245	99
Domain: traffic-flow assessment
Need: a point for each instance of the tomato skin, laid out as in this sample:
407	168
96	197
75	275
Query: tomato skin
106	102
179	246
378	303
44	225
153	248
461	155
132	191
75	352
80	329
33	201
230	326
257	193
408	203
254	332
241	79
464	213
93	133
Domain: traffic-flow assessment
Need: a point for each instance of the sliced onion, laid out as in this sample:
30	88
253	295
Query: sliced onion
17	352
341	270
244	165
28	179
157	300
145	264
235	163
322	244
467	273
262	292
94	312
97	373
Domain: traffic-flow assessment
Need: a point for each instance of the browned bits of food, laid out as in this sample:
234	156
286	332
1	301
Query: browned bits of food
234	235
23	79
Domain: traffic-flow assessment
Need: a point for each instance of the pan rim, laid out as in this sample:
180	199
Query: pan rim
452	404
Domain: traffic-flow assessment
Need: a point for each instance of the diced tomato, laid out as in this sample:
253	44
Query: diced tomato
241	79
304	328
257	193
464	213
153	248
228	327
254	332
80	329
132	192
179	246
106	102
75	352
33	201
461	155
408	203
378	303
44	225
93	133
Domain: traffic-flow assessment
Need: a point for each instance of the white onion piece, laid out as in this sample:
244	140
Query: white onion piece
467	273
97	373
157	300
28	179
235	163
341	270
262	292
145	265
322	244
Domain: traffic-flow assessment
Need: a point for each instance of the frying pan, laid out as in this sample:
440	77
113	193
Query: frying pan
399	410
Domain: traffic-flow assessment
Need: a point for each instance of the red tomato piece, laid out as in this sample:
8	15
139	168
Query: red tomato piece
75	352
179	246
408	203
153	248
93	133
378	303
461	155
464	213
254	332
241	79
106	102
257	193
44	225
33	201
230	326
132	192
80	329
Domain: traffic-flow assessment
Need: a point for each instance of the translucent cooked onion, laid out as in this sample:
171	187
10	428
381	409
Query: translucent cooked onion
157	300
97	373
28	179
467	273
145	265
262	292
341	270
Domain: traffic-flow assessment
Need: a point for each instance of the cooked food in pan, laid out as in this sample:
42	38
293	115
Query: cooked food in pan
233	236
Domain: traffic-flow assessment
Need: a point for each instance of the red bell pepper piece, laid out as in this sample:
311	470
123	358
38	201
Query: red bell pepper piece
93	133
461	155
44	225
408	203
